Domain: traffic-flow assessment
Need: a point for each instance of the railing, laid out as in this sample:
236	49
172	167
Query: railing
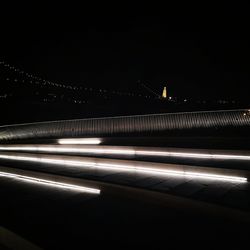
125	125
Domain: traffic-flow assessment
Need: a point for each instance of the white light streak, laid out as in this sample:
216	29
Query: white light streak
193	155
107	150
56	149
40	181
80	141
166	172
121	166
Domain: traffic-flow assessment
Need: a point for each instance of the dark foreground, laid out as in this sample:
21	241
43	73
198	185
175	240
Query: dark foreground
119	216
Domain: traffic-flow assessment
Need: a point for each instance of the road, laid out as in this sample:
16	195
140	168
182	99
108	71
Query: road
56	218
134	206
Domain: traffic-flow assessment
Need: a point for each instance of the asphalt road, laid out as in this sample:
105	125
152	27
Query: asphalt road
55	218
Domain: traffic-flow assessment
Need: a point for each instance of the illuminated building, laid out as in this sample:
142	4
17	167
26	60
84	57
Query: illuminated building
164	92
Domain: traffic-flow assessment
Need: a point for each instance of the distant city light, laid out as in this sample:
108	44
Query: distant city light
164	92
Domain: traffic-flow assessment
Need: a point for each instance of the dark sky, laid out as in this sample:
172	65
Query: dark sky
206	60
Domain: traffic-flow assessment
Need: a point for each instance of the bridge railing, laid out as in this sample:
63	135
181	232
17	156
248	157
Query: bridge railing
127	125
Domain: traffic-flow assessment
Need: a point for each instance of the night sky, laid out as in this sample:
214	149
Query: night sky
209	61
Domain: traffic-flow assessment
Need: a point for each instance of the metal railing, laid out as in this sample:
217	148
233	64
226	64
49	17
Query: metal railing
126	125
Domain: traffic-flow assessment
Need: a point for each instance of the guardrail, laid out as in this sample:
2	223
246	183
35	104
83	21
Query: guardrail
125	125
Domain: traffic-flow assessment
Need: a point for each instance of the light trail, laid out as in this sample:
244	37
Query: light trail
88	141
70	149
193	155
55	184
126	151
92	164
